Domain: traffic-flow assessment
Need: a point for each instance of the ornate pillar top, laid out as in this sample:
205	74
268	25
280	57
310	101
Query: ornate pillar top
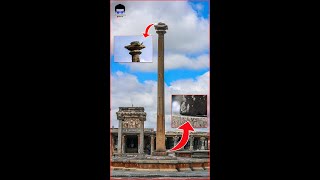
161	28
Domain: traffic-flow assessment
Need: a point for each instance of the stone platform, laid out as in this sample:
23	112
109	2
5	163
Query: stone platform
159	163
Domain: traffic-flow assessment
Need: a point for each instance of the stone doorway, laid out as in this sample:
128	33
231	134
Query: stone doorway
131	144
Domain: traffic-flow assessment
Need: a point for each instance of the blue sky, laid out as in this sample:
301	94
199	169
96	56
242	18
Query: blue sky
204	5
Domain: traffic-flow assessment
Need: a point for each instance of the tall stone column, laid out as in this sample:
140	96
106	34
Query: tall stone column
152	143
120	137
202	143
161	147
191	139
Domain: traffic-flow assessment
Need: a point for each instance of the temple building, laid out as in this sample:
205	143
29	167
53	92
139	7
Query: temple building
132	138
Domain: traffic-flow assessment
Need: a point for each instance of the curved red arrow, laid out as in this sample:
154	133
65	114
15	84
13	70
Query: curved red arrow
145	34
186	127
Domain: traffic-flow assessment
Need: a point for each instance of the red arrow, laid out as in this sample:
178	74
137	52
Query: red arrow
186	127
147	29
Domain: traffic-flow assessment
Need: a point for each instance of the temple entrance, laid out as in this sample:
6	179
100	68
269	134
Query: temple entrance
131	144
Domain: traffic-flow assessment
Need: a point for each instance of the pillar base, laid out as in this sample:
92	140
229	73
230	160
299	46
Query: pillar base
159	153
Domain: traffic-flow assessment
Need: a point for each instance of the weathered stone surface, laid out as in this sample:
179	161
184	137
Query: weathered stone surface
134	49
184	169
197	168
196	122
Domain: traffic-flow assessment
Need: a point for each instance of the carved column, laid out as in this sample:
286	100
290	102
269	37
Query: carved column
202	143
120	137
152	144
191	139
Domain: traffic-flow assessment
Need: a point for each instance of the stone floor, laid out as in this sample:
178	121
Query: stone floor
121	173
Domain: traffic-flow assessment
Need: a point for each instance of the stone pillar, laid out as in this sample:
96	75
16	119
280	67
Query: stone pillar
120	137
123	144
152	143
141	141
202	143
138	135
206	144
191	139
111	145
161	147
175	140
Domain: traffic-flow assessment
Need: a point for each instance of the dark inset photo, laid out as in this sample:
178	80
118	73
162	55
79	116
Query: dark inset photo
192	108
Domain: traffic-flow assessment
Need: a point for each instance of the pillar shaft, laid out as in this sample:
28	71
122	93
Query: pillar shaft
112	144
141	141
152	144
175	140
202	143
160	110
120	137
123	144
191	143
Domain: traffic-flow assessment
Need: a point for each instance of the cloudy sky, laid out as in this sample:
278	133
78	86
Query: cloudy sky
186	56
121	54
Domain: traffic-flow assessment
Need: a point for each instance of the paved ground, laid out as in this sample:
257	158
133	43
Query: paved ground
121	173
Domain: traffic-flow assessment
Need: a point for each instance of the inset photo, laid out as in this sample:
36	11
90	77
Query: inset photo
192	108
132	49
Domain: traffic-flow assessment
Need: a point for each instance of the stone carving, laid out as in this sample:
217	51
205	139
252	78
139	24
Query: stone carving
134	49
131	123
196	122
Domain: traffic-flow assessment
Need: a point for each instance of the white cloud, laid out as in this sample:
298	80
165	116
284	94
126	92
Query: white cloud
187	33
173	61
127	90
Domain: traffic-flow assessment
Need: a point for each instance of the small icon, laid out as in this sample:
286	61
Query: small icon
120	10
